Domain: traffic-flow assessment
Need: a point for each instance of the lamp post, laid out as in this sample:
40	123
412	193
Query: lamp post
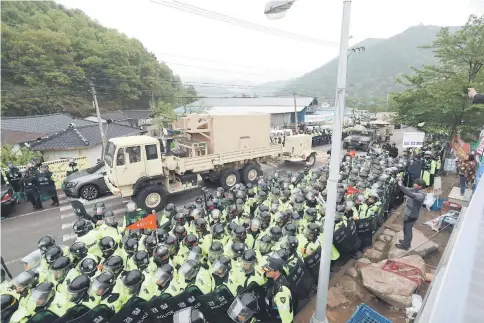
275	10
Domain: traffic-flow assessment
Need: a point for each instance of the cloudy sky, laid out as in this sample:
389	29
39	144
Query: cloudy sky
197	47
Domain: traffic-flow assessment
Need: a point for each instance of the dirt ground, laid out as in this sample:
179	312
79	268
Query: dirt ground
343	313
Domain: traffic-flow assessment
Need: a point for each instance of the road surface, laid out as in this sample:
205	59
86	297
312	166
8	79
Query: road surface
20	233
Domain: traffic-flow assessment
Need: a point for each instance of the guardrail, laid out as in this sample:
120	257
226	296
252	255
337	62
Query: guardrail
456	293
58	169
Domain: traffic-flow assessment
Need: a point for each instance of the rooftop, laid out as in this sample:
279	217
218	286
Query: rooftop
82	136
126	114
41	124
255	102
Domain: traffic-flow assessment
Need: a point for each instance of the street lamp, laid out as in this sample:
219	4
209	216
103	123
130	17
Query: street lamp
275	10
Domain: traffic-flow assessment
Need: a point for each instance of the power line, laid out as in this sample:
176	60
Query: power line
241	23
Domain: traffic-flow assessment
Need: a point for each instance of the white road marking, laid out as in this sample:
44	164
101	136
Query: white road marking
65	208
70	236
12	261
61	196
67	225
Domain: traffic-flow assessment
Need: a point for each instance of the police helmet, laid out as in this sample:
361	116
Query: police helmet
107	246
180	232
180	218
132	281
88	266
53	253
102	284
221	266
289	229
60	267
265	244
99	209
275	233
291	243
135	234
273	263
190	241
81	227
200	224
238	249
240	234
113	264
141	259
150	243
216	250
78	250
189	315
131	246
45	243
218	231
172	244
243	308
312	231
42	294
77	287
161	255
164	275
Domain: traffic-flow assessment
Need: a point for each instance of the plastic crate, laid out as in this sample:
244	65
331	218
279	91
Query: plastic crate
365	314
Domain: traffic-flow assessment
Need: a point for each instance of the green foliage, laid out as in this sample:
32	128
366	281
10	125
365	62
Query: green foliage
371	73
17	157
51	54
437	94
163	112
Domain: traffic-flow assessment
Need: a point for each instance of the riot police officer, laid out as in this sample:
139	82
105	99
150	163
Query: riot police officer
158	283
14	177
30	187
278	298
46	185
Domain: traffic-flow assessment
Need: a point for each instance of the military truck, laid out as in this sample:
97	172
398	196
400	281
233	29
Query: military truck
359	138
384	130
226	149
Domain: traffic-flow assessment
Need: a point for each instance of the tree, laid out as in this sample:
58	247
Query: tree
163	113
17	157
437	94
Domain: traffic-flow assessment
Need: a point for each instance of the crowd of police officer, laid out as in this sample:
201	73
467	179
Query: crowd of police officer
35	183
245	254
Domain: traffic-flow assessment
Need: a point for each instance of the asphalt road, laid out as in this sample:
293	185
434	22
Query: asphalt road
20	233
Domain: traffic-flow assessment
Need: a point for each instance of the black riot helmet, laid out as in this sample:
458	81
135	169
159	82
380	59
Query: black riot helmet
109	218
81	227
265	244
276	233
180	232
312	231
141	259
42	294
172	244
88	266
311	214
99	210
190	241
180	218
164	276
200	225
221	266
249	259
240	234
102	284
24	281
232	226
77	288
216	250
134	234
52	254
78	250
107	246
161	255
131	246
281	218
114	265
291	243
150	244
169	211
60	267
161	234
243	308
289	229
218	231
238	249
45	243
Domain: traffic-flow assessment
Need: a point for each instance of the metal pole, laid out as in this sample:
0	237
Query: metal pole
99	120
322	295
295	113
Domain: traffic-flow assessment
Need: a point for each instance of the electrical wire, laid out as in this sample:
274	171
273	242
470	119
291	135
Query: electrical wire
239	22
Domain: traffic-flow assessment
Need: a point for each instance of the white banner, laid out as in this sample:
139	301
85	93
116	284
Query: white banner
480	148
317	117
413	139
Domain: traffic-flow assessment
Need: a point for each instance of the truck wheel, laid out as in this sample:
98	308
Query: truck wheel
345	145
151	198
228	178
250	174
311	160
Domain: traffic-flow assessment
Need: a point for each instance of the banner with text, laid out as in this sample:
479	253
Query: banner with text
460	147
413	139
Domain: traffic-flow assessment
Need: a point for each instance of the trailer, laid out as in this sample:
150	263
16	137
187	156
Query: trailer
225	149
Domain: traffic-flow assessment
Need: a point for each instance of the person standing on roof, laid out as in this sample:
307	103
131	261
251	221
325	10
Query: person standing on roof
415	199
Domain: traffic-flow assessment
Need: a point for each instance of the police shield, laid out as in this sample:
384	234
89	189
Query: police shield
312	263
300	280
74	315
79	209
99	314
214	305
346	238
44	316
192	294
259	292
161	308
46	185
134	311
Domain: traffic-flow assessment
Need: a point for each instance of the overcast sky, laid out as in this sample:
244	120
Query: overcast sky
197	47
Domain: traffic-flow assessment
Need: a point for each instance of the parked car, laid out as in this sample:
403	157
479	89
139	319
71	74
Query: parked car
9	198
87	183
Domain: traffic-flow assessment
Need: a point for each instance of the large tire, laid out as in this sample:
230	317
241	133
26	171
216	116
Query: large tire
151	198
228	178
345	145
311	160
250	173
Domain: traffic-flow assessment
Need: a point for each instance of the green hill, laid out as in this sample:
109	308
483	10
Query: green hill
372	73
50	56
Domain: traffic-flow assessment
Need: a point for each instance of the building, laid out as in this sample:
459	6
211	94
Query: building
133	118
84	140
20	131
281	109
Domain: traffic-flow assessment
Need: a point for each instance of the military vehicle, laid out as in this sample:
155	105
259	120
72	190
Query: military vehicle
359	138
226	149
384	130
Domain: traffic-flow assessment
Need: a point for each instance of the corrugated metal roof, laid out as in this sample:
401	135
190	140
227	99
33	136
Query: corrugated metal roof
254	109
43	124
456	294
83	136
255	102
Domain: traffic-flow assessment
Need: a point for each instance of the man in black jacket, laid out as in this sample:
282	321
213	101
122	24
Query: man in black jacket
475	97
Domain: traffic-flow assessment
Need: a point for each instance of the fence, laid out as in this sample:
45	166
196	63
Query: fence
58	169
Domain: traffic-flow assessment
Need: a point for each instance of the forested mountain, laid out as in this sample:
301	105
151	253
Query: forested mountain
50	56
372	73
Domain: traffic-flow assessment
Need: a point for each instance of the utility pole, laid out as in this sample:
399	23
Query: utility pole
323	282
99	120
295	113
